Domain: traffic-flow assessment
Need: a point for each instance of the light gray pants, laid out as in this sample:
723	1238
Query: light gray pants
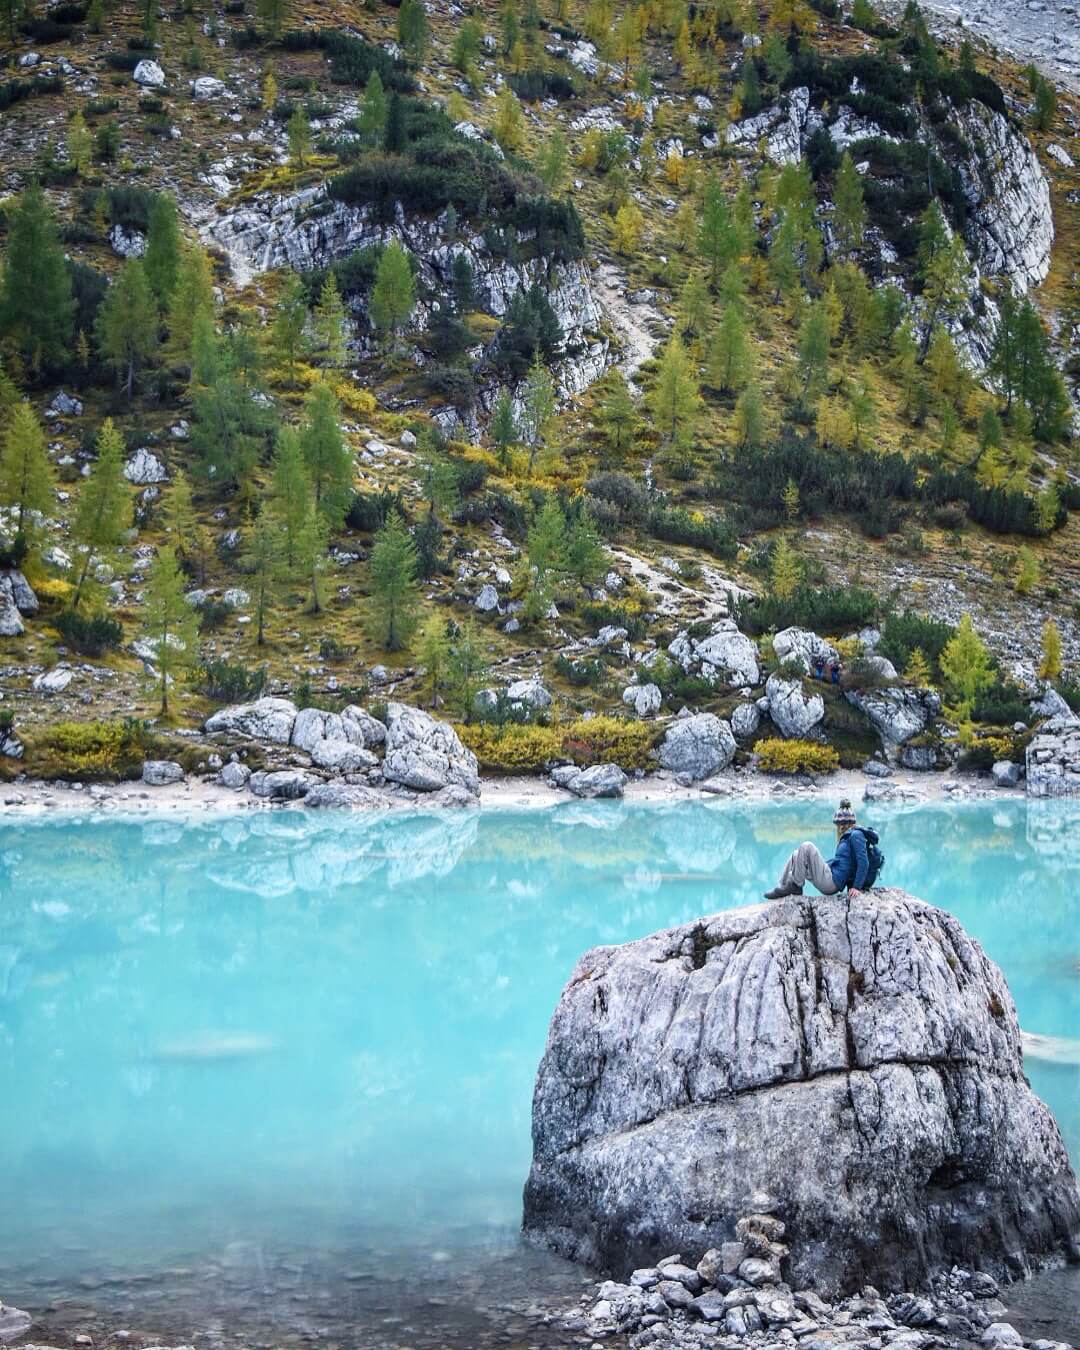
807	864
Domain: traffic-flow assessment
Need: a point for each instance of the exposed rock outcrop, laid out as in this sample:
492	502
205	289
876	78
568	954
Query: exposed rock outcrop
310	230
161	772
856	1060
1053	759
801	647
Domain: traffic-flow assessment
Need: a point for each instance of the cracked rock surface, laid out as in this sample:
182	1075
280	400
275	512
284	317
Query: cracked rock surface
859	1060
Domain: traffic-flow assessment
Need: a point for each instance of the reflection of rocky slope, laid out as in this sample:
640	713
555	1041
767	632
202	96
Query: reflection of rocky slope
691	1071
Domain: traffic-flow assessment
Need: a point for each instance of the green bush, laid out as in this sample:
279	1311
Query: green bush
229	682
902	633
824	609
100	749
89	635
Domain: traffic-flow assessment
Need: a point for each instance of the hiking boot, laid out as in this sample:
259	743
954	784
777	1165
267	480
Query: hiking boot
782	892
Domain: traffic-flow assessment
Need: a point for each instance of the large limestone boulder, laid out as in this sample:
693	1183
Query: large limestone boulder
794	713
697	747
724	656
898	715
858	1061
11	624
1053	759
425	754
799	646
267	719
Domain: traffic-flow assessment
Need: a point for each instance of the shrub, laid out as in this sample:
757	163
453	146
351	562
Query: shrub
985	751
12	91
368	510
779	756
824	609
581	673
1001	705
676	525
230	682
100	749
902	633
14	553
89	635
515	749
604	614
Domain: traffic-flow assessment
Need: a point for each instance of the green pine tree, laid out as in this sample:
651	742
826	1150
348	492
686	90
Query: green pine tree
371	123
504	428
433	654
676	399
413	29
287	338
750	417
184	531
586	559
538	407
262	564
619	414
966	666
192	295
330	323
849	217
298	131
311	554
729	353
290	495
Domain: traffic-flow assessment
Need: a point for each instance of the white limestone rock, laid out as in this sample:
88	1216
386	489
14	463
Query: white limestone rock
793	712
425	754
267	719
697	747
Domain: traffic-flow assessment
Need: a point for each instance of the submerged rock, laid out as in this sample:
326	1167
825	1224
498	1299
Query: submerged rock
856	1061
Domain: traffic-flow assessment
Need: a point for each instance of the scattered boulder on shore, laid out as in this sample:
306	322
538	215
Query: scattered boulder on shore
598	780
898	715
856	1060
161	772
267	719
425	754
697	747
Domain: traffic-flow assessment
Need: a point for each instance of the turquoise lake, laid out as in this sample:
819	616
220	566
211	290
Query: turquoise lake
235	1048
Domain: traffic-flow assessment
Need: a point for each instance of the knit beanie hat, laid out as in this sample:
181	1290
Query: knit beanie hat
844	818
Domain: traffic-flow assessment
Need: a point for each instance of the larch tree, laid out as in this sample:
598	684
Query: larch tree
192	295
327	457
184	531
127	324
1050	663
262	564
272	15
330	323
504	428
103	514
298	132
966	666
413	29
162	256
287	334
917	672
849	217
433	654
27	476
538	407
718	241
371	123
586	558
785	570
553	161
36	305
813	357
619	414
80	143
393	296
290	494
311	554
468	669
675	397
546	552
729	353
509	127
750	417
170	624
394	597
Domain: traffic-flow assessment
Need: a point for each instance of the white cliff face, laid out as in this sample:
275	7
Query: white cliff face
307	231
1011	229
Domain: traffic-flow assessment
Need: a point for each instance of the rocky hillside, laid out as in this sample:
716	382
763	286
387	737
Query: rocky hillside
615	342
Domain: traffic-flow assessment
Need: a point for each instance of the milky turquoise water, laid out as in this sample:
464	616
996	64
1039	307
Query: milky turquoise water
278	1042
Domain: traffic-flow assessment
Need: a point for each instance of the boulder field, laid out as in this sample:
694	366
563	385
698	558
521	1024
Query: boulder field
857	1061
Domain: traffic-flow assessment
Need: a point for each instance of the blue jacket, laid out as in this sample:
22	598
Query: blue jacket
851	864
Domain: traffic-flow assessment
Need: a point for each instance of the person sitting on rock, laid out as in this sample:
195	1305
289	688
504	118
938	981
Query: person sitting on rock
850	867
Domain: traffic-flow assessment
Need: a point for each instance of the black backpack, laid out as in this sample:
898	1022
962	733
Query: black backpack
874	855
